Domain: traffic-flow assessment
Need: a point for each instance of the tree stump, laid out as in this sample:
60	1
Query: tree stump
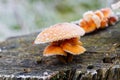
20	59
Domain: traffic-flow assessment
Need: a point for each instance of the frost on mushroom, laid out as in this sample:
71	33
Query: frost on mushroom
64	41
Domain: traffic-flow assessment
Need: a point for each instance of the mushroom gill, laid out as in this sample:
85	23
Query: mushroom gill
53	50
73	46
64	49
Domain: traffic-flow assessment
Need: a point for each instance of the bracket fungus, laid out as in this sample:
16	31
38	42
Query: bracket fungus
64	41
102	18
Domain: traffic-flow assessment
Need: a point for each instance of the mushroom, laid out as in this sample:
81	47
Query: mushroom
113	19
100	14
90	22
104	23
109	14
98	19
63	39
104	20
87	26
106	12
90	16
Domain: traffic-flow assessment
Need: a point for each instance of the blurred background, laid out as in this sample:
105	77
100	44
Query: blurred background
18	17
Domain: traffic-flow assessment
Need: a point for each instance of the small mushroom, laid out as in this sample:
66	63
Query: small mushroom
63	39
109	14
99	19
90	22
100	14
106	12
112	19
87	26
91	16
104	20
87	15
104	23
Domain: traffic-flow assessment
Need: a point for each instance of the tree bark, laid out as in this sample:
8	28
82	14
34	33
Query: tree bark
22	60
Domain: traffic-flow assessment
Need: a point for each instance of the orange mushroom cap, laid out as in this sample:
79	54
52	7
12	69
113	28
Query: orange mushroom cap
104	20
96	20
87	26
72	46
100	14
58	32
51	50
73	49
106	12
112	19
88	15
104	23
91	16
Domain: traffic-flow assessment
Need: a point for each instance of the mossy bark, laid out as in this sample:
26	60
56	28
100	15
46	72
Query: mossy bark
20	59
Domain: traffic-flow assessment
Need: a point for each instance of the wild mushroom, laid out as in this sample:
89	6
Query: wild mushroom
104	20
106	12
113	19
63	39
90	22
90	16
99	19
87	26
109	14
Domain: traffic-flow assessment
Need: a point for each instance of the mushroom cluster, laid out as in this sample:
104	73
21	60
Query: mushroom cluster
64	41
92	21
64	38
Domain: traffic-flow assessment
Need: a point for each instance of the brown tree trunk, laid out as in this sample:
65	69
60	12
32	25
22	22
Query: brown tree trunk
101	61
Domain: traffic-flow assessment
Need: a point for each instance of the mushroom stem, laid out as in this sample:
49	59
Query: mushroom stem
65	59
69	57
61	58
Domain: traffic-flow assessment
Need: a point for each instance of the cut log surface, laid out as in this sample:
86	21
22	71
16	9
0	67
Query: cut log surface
20	59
